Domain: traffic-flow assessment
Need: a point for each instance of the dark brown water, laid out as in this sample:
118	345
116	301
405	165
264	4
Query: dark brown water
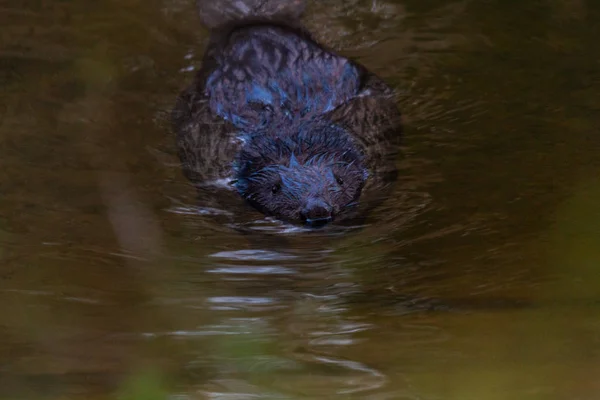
478	279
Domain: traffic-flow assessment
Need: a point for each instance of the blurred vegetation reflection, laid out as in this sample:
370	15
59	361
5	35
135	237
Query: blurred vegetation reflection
478	279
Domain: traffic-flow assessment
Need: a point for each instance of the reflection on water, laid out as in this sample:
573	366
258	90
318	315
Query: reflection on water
476	279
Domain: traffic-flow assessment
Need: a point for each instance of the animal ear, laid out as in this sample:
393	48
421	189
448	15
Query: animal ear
294	161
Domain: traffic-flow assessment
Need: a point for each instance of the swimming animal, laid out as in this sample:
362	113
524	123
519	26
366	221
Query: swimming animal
299	131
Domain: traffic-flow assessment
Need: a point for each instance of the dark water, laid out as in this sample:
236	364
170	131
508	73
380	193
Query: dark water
478	279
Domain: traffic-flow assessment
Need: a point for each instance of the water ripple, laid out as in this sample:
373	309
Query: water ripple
250	270
256	255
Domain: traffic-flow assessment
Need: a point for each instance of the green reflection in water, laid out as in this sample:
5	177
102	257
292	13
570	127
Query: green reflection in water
144	385
478	280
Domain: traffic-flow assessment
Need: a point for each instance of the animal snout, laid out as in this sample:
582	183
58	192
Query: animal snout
317	213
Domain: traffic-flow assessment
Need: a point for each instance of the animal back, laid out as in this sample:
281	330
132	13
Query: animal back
268	72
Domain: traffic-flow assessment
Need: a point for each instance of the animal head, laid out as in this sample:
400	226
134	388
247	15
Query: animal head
312	176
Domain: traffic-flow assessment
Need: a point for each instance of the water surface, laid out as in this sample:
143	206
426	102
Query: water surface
477	279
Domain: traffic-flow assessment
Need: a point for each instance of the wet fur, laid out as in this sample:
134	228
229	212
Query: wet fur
270	107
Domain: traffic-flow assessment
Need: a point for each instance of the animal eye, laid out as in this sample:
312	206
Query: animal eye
276	187
339	180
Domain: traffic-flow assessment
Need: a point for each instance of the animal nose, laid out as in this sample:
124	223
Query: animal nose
317	213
